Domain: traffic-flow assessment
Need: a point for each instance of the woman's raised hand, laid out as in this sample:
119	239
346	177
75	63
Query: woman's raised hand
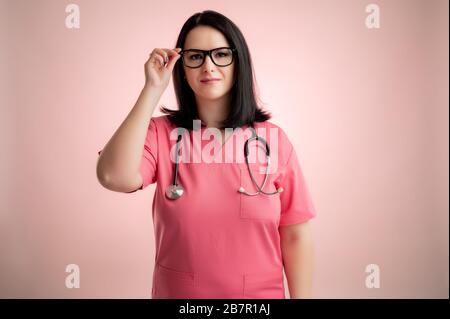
159	66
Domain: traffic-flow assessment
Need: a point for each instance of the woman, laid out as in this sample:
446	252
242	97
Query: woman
213	239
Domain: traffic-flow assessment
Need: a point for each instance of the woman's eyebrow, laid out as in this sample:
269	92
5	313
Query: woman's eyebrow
223	46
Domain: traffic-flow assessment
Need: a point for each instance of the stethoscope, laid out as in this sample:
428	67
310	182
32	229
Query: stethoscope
175	190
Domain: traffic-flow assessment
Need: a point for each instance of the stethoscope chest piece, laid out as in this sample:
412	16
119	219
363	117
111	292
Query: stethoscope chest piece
174	191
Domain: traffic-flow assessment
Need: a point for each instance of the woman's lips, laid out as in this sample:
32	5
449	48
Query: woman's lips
210	81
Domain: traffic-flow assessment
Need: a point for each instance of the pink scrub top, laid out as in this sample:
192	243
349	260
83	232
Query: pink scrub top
215	242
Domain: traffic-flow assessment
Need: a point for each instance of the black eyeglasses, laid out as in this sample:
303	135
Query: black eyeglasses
194	58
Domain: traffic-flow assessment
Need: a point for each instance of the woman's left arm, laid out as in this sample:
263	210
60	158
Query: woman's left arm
298	254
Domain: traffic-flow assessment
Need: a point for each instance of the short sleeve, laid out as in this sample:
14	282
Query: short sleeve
148	167
296	202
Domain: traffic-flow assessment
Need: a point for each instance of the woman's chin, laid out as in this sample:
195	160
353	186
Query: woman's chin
210	95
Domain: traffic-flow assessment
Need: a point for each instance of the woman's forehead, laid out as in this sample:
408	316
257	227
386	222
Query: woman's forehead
205	38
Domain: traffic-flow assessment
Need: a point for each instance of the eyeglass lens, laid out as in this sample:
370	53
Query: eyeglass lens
221	57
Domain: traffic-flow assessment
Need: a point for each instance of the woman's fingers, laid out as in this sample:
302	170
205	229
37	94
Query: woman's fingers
160	65
168	54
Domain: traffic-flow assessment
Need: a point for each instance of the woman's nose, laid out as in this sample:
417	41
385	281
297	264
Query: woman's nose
208	62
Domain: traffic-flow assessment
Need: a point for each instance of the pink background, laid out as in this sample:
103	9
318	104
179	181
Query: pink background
367	111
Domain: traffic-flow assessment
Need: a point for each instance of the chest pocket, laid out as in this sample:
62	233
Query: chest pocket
261	206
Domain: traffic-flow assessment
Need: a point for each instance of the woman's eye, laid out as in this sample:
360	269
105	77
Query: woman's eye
222	54
195	55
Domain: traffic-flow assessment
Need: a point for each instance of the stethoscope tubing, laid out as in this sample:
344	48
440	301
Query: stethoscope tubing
174	191
246	153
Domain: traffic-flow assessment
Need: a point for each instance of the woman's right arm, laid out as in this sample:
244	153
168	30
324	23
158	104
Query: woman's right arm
119	161
118	167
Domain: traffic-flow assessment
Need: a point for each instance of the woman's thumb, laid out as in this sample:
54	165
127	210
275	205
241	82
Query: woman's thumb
174	60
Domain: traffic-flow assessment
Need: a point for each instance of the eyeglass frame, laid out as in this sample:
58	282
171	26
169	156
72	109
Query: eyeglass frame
206	53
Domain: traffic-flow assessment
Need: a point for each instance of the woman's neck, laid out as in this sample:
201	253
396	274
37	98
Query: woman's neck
212	113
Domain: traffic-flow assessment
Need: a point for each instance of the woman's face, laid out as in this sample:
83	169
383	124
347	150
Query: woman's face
208	38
